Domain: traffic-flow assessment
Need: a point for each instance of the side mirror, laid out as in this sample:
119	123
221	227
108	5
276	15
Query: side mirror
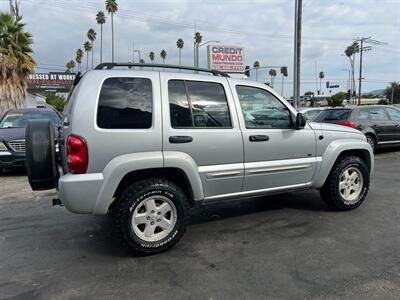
301	121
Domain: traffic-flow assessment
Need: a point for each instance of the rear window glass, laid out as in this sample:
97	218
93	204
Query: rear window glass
333	115
18	119
125	103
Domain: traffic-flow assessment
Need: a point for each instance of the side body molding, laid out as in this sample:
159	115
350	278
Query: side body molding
332	152
184	162
117	168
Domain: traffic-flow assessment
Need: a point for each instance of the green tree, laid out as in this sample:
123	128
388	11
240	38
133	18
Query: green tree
394	88
256	65
88	47
91	35
57	102
337	99
112	8
16	62
70	66
152	57
101	19
272	73
197	41
78	58
179	44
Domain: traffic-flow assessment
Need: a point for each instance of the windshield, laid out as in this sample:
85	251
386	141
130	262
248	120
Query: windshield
20	119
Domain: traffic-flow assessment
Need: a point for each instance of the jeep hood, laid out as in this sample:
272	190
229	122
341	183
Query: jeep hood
333	127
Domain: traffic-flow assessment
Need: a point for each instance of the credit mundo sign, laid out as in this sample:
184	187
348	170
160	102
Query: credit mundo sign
228	59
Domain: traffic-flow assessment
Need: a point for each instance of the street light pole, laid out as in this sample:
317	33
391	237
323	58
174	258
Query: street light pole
297	53
197	50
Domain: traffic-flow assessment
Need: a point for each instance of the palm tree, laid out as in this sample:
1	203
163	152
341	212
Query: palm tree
70	65
101	19
180	43
141	61
163	55
16	62
321	76
197	41
78	58
272	73
91	35
256	65
152	56
350	52
87	46
112	8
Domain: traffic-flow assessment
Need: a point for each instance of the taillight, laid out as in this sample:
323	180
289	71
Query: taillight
77	155
348	124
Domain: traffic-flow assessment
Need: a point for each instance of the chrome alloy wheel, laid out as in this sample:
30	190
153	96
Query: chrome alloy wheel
154	218
351	184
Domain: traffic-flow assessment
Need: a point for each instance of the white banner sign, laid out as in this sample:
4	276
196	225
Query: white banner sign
228	59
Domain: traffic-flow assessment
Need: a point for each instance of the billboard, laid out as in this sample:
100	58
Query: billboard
228	59
50	82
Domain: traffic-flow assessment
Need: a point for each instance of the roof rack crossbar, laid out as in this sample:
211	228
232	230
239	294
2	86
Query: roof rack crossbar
130	65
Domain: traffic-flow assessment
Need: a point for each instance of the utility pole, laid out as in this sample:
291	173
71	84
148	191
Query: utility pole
391	98
297	53
363	40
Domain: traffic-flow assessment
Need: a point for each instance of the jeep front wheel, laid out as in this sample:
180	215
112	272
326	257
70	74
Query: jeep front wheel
347	185
151	216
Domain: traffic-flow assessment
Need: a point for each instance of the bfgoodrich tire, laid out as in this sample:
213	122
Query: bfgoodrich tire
348	183
41	166
151	216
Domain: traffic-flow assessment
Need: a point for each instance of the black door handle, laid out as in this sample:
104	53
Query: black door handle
258	138
180	139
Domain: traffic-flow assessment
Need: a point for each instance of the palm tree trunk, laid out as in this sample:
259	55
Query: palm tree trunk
112	37
320	81
87	60
101	43
282	86
180	58
256	75
92	55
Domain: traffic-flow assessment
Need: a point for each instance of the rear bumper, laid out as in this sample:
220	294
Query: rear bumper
79	192
10	159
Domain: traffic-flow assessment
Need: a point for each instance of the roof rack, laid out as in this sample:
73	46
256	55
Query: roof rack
129	65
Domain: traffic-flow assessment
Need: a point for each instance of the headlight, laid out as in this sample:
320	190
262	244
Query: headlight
3	147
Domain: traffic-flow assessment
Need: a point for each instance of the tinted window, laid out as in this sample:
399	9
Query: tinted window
261	109
20	119
378	113
125	103
394	114
333	115
363	114
198	104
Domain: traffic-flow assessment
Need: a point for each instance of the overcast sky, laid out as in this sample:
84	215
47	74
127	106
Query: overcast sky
263	28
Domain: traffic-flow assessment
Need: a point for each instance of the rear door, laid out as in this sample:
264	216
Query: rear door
394	115
384	128
200	120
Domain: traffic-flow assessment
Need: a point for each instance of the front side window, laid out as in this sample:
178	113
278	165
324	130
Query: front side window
378	113
394	114
261	109
125	103
198	104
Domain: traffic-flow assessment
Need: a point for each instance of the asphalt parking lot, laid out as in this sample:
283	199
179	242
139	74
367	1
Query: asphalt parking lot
290	246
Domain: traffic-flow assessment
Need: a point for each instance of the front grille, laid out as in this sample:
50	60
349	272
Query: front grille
17	146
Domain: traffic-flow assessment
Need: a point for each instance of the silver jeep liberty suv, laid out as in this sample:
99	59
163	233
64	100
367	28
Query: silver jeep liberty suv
149	145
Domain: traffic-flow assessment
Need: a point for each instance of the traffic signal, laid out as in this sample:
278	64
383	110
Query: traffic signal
348	95
247	71
284	71
327	84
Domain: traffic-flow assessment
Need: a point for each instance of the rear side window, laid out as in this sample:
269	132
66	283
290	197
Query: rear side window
378	113
363	114
334	115
197	104
125	103
394	114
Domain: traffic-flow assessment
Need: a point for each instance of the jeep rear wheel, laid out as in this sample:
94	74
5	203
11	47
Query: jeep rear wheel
151	216
348	183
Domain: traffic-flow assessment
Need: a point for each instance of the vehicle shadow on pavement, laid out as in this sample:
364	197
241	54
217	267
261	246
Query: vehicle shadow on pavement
309	200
